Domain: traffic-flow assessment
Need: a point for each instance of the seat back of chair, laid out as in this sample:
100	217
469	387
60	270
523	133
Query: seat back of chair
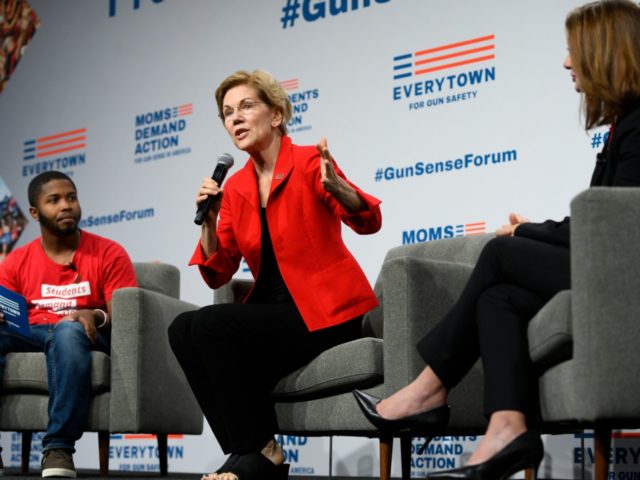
158	277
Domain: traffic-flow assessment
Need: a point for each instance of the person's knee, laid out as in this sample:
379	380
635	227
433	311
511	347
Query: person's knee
70	334
180	328
504	304
497	245
69	348
216	322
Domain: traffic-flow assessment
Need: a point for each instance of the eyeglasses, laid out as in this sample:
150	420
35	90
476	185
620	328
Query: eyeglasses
244	107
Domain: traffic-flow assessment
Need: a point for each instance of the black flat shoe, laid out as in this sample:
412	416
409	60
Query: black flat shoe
254	466
525	451
424	422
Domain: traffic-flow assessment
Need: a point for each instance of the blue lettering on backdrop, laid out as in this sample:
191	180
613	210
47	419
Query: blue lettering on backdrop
158	133
441	454
468	161
300	103
61	164
428	234
151	117
118	217
142	452
290	446
617	455
313	10
36	448
450	82
423	235
134	3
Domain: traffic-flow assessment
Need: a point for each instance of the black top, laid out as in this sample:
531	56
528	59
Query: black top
270	287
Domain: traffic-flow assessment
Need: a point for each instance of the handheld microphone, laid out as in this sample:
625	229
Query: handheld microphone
225	162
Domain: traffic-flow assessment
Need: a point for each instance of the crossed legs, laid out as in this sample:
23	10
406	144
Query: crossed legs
513	278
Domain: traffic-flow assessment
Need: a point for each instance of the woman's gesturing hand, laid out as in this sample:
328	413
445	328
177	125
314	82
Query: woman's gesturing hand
328	177
335	185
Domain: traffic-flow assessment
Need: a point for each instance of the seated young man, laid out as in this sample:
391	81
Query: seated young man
67	277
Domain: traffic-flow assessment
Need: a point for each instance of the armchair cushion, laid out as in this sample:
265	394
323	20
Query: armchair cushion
550	332
356	364
27	372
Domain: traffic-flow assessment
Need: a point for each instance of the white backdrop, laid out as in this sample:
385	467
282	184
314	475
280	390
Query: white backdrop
454	113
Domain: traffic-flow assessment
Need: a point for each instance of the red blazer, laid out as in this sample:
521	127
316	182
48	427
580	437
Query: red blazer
326	283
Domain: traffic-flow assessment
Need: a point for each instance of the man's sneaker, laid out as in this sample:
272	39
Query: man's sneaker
58	463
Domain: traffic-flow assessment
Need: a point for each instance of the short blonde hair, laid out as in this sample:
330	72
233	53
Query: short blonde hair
604	45
268	88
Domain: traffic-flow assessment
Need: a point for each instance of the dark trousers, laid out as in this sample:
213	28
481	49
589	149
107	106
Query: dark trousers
234	354
513	279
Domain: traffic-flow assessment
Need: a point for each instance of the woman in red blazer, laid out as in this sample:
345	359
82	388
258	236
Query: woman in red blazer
282	212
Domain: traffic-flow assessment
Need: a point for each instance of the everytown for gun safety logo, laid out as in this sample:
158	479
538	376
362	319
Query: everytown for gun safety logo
467	60
139	452
58	151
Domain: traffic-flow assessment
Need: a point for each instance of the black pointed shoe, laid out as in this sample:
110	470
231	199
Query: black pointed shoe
423	422
525	451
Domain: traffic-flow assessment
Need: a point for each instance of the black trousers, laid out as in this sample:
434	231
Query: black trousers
234	354
513	279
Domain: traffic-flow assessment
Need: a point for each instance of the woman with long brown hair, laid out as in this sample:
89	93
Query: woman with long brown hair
526	265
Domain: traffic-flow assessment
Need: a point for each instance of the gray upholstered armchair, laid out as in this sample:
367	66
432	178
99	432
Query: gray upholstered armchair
136	389
584	342
422	282
414	287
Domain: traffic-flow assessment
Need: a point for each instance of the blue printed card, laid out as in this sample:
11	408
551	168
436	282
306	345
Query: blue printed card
14	309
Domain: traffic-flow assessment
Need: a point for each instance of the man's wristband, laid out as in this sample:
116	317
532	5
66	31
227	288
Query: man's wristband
106	320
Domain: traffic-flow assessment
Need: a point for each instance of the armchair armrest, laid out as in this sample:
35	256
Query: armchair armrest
462	250
420	283
149	392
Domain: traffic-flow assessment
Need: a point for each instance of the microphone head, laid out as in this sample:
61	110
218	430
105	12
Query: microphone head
226	159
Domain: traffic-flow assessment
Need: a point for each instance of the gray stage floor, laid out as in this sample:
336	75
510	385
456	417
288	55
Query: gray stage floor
93	475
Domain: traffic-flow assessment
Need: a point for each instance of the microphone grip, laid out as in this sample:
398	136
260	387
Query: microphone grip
203	208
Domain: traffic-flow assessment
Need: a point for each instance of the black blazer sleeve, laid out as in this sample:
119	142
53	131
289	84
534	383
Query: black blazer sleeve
549	231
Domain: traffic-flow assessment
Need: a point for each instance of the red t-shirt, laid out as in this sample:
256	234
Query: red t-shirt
99	267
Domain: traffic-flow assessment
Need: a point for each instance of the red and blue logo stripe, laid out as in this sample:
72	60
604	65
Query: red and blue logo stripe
291	84
470	229
444	57
182	110
55	144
